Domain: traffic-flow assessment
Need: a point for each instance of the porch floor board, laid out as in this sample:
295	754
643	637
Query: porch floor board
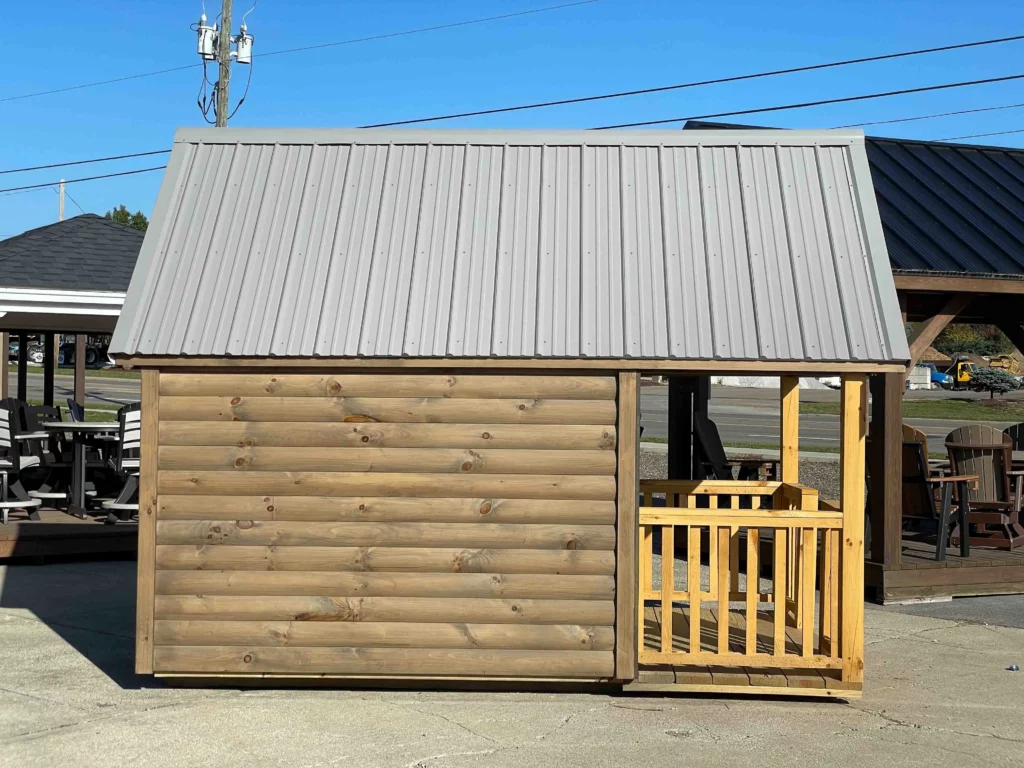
745	680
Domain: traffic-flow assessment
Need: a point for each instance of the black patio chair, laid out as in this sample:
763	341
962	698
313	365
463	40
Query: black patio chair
1016	433
76	410
14	461
125	462
718	466
52	451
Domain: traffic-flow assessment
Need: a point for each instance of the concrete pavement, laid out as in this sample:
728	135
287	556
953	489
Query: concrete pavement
937	692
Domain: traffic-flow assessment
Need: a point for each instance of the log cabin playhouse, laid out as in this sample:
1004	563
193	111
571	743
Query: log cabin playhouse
390	387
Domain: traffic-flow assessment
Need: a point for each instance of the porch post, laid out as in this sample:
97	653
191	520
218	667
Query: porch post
680	427
789	429
852	435
48	368
885	501
22	366
5	378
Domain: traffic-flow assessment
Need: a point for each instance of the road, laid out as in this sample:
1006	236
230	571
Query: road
748	415
100	391
743	415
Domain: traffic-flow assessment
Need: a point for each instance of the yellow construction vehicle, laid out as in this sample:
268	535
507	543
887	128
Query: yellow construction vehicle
1007	363
961	371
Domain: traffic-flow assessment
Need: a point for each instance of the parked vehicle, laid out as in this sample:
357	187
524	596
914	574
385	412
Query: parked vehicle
937	377
961	372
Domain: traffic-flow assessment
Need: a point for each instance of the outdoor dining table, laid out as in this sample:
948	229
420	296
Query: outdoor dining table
80	431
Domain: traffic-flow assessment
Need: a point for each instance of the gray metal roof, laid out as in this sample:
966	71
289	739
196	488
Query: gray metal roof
760	245
947	209
83	253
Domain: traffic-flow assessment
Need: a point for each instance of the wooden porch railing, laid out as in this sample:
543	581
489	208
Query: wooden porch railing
742	528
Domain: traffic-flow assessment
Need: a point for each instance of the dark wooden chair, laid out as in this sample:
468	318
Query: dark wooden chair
718	466
978	449
76	409
915	435
14	461
920	506
1016	433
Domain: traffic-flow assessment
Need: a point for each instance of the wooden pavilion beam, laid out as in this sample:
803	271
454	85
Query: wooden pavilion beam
5	378
925	333
22	365
48	367
885	463
80	344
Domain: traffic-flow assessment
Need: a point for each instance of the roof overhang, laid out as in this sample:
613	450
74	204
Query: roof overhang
44	309
955	282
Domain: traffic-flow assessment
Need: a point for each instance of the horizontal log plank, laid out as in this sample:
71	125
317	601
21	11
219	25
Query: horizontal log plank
380	509
394	385
382	661
341	634
486	535
393	559
370	434
342	584
409	609
394	409
445	460
583	487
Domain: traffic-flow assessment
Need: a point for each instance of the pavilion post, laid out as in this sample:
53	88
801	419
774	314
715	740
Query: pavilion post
789	429
5	379
680	427
80	342
852	440
885	463
22	366
48	365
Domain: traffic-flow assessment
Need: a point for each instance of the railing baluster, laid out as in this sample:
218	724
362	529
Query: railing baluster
779	588
753	588
833	605
646	578
808	560
825	598
667	585
724	534
693	586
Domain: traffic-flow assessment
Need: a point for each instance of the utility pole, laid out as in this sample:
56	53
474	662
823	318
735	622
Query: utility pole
214	44
224	75
60	205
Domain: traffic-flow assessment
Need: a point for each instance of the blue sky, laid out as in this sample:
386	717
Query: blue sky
604	46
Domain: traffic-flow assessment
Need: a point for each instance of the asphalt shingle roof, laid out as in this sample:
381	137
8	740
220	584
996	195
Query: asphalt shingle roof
84	253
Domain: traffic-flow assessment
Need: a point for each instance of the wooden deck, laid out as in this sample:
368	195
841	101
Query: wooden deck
751	680
57	534
919	575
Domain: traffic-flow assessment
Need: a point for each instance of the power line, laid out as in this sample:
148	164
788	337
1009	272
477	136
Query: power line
87	178
84	162
979	135
929	117
821	102
698	83
69	197
436	28
352	41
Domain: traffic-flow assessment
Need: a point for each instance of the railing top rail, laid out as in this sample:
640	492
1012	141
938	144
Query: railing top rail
735	487
747	518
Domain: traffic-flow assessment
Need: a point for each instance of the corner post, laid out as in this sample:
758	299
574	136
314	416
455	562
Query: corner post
789	429
146	592
5	376
627	529
852	439
22	366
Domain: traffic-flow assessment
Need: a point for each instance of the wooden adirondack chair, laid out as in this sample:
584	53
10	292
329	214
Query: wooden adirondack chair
978	449
915	435
920	505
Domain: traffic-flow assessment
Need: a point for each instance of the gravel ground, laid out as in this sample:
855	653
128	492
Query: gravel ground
823	475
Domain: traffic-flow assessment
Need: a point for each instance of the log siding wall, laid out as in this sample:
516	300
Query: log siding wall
368	524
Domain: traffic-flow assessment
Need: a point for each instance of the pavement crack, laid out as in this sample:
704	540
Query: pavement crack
448	720
423	762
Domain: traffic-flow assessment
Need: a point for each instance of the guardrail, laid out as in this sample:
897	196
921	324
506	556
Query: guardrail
746	533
